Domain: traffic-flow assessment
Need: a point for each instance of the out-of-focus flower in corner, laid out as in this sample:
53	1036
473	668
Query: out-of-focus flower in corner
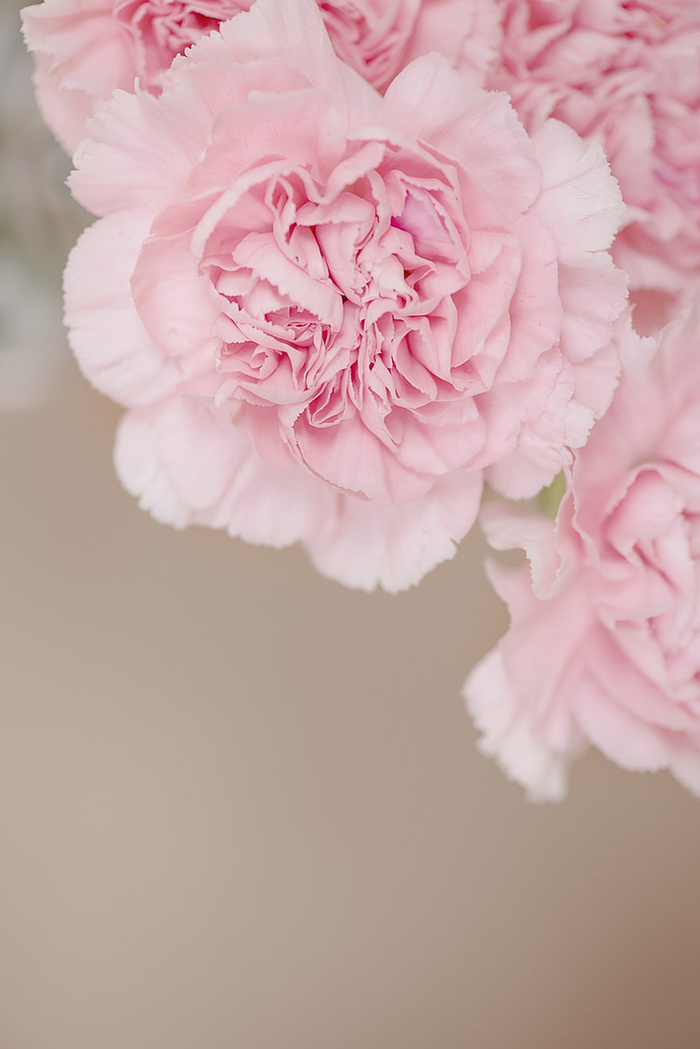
332	314
604	642
627	74
85	49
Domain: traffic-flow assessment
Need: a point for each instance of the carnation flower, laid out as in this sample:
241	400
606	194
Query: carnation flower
627	74
85	49
331	314
604	642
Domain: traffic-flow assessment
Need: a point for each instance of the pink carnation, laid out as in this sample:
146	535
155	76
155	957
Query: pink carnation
627	74
604	643
331	313
85	49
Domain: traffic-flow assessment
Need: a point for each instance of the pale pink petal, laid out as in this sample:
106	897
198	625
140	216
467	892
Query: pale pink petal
290	34
514	693
479	129
82	56
492	702
578	193
187	465
141	149
466	32
112	347
371	543
66	112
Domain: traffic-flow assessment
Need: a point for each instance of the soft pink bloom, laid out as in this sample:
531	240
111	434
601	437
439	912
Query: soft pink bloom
85	49
604	643
331	313
627	74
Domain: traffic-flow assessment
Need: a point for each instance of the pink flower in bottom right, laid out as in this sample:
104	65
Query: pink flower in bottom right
604	642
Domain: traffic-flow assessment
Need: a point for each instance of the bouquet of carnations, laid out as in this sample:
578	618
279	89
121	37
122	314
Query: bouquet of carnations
357	263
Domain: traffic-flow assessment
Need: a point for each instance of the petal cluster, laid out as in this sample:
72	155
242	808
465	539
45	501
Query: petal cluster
604	643
331	313
86	49
627	74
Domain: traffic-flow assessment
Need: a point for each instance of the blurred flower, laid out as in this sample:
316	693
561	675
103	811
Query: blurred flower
329	312
85	49
604	642
625	73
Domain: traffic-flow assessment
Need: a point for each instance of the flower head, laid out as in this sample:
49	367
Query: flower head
627	74
604	643
85	49
331	313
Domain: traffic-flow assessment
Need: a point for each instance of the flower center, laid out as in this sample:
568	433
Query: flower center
337	299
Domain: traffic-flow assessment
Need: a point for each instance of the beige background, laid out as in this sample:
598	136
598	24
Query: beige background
241	807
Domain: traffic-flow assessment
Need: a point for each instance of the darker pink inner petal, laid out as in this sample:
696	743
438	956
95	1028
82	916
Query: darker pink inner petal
161	29
335	301
370	35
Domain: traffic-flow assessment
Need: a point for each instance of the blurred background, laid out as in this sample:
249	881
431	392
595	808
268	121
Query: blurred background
39	222
241	807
